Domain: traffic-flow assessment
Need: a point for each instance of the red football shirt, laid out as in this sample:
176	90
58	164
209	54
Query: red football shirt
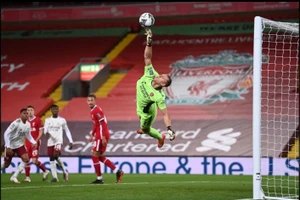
35	124
100	124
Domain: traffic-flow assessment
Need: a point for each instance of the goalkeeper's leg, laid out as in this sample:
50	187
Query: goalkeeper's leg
146	121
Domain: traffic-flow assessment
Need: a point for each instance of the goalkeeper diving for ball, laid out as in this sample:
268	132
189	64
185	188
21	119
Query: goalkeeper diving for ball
150	95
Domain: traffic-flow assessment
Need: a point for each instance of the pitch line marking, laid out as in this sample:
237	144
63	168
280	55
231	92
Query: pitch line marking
89	185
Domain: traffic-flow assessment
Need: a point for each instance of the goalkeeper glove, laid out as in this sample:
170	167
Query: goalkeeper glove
171	133
149	36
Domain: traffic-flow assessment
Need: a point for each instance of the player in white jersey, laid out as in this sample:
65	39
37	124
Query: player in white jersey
54	127
14	138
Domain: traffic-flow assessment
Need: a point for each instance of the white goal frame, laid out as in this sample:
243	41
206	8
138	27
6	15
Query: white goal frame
256	126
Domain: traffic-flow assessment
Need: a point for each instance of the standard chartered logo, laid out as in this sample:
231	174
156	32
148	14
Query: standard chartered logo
220	140
186	143
123	142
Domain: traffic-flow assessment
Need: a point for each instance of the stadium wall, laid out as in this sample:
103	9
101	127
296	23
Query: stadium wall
174	165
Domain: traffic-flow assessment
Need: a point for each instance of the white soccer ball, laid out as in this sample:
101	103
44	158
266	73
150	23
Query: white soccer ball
146	20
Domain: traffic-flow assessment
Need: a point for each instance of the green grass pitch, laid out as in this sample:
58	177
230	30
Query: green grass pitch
133	186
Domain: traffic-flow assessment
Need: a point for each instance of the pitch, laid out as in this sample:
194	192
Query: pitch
133	186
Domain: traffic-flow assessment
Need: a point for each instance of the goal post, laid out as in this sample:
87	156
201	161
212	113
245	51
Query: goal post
275	108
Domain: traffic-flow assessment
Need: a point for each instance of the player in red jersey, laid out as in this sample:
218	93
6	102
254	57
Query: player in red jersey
101	136
36	126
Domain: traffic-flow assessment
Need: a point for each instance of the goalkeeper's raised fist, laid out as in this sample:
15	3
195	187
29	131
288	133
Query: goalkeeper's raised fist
171	133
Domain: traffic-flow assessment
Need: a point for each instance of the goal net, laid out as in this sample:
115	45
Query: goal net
275	110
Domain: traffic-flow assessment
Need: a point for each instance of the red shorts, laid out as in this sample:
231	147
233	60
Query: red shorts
33	153
19	151
97	145
56	149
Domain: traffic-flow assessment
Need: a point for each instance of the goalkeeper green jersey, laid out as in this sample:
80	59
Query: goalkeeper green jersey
146	95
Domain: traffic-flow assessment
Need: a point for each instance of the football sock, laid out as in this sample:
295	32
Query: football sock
27	170
20	169
2	166
108	163
154	133
41	166
97	166
61	164
53	169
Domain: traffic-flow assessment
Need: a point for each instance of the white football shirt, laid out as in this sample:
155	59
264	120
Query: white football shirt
15	134
55	127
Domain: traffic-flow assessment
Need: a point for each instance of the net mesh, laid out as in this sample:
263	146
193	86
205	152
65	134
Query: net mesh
280	107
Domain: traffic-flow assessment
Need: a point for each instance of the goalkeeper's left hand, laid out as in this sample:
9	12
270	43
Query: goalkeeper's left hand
149	35
171	133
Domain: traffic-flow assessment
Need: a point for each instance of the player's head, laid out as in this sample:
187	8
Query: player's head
30	111
54	109
23	114
164	80
91	100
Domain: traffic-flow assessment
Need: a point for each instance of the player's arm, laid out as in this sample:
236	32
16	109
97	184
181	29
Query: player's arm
148	48
167	118
12	127
29	137
92	134
41	131
68	133
162	106
100	117
46	131
94	130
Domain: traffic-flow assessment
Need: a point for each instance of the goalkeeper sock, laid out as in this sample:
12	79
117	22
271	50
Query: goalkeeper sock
154	133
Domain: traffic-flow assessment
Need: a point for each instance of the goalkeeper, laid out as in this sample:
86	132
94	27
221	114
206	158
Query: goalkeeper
150	95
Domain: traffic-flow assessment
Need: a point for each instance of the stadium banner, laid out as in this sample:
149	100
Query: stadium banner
194	138
130	11
207	29
175	165
66	33
222	137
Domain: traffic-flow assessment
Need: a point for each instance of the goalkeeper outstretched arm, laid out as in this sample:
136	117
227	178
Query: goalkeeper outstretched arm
148	48
167	121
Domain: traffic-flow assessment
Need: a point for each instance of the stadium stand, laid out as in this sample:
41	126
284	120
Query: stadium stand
10	5
131	22
46	61
121	99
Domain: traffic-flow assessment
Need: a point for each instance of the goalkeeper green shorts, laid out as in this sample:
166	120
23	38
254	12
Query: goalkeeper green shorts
147	119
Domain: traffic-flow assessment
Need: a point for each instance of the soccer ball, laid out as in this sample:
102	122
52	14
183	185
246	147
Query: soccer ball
146	20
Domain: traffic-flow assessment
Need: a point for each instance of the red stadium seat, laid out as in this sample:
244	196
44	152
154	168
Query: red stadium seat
39	66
